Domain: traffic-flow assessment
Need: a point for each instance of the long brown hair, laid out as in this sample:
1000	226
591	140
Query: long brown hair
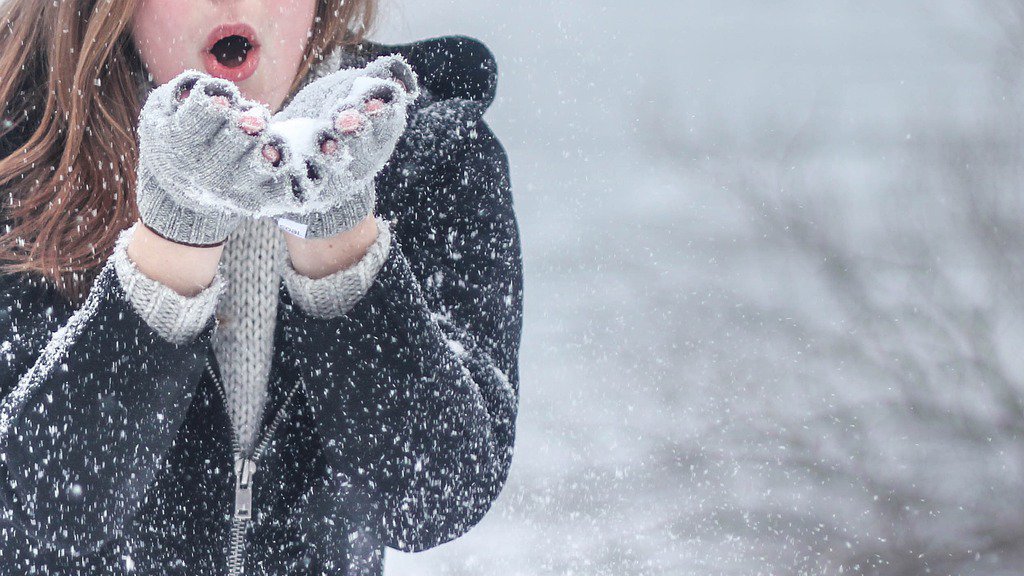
69	82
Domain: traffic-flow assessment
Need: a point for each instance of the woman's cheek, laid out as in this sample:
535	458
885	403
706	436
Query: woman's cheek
163	34
290	28
286	35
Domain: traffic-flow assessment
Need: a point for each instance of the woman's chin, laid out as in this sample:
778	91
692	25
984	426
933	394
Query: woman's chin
259	92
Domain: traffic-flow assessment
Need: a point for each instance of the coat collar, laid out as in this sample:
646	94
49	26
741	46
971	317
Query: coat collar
448	67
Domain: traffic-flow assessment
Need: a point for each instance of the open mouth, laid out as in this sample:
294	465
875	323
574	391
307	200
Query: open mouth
232	52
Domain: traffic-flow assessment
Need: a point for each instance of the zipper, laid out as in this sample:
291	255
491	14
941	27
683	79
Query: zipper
244	475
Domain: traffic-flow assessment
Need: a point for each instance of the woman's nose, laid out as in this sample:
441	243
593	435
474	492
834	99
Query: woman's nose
233	3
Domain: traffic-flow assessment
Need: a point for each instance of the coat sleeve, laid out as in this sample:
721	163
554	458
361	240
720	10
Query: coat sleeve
414	391
92	399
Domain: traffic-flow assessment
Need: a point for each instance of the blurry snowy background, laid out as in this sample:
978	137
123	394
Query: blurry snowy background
774	293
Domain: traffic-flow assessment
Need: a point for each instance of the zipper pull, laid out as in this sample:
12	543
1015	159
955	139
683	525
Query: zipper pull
244	470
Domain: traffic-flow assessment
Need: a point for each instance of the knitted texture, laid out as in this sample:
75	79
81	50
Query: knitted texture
198	170
334	295
176	318
209	157
342	128
246	317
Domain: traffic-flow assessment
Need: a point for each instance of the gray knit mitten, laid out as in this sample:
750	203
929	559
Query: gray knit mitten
203	152
339	132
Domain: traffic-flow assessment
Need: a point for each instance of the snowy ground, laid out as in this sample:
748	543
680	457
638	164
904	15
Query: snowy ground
772	255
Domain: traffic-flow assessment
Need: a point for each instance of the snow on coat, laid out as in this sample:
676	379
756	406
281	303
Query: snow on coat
398	420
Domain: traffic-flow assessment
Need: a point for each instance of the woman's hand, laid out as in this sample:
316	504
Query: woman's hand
203	164
338	133
316	258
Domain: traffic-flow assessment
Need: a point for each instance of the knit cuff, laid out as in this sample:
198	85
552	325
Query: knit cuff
176	318
177	221
334	295
336	219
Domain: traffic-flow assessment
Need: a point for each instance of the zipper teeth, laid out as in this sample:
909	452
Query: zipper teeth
235	445
236	558
264	442
262	446
236	561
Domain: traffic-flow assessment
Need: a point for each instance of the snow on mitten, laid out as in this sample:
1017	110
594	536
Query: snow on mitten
203	160
340	131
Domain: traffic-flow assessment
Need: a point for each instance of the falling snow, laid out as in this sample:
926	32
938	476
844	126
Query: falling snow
772	260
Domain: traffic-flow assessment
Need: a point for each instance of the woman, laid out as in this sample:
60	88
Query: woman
266	404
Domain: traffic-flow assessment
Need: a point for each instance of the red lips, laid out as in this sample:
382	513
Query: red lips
250	58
